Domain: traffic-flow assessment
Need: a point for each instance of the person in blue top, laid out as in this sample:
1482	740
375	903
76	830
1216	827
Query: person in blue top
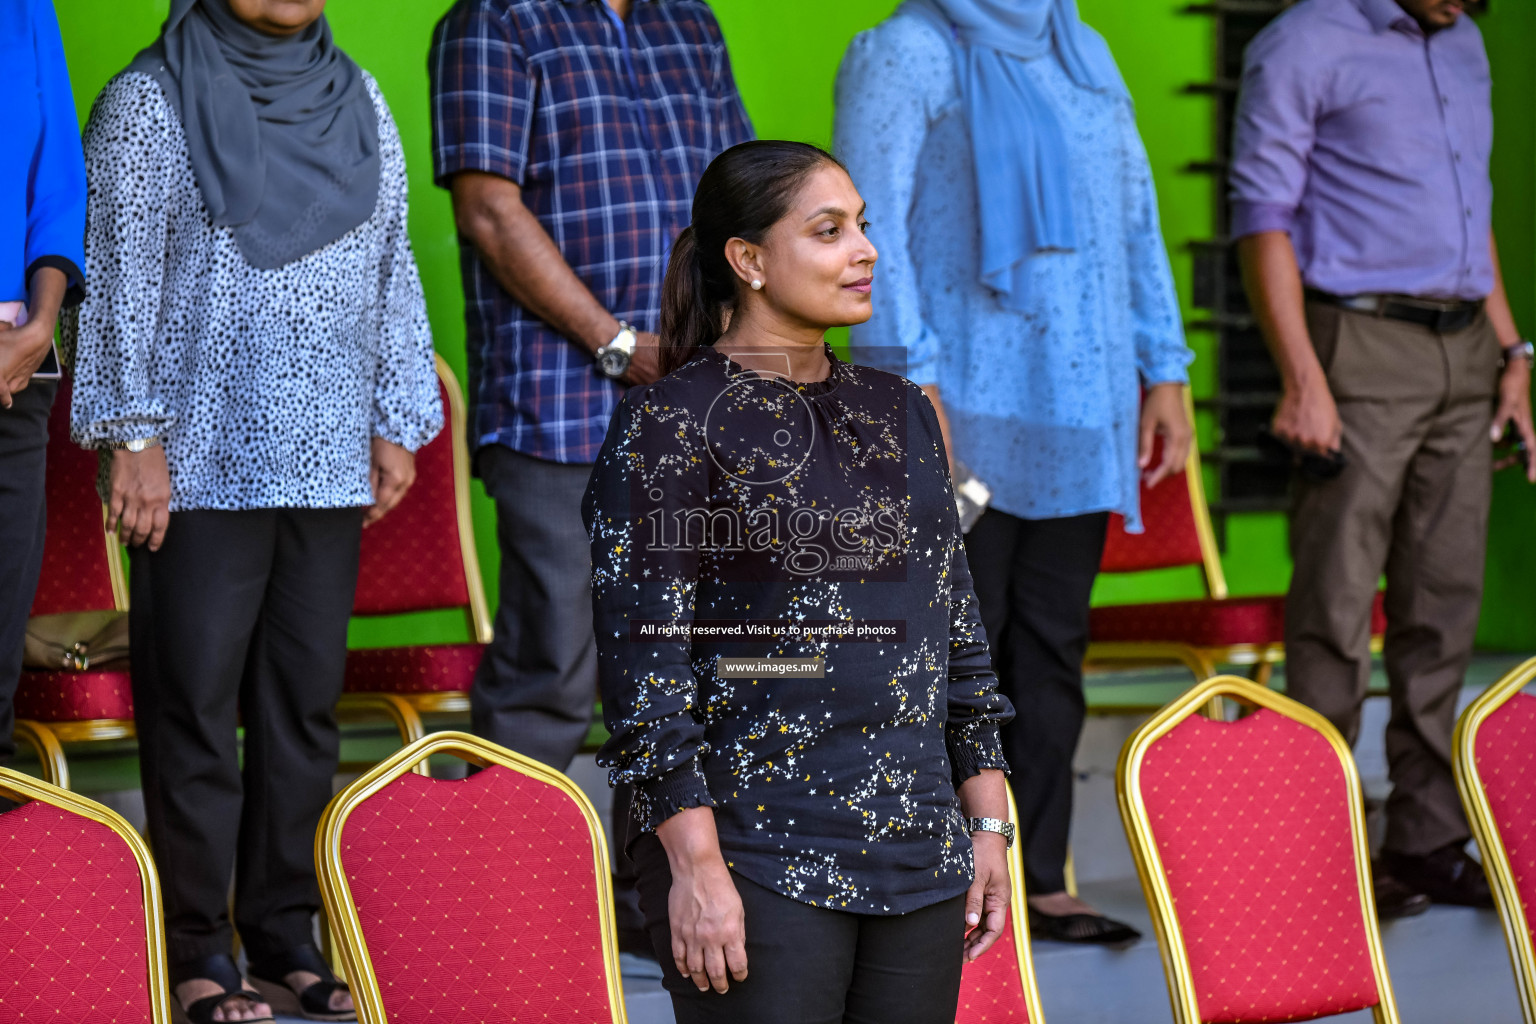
42	238
1027	289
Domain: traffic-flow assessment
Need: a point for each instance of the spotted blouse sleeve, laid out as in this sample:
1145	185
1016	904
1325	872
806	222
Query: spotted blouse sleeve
1162	354
406	408
976	709
651	466
110	340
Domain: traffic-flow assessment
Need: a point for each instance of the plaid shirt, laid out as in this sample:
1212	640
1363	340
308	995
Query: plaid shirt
606	126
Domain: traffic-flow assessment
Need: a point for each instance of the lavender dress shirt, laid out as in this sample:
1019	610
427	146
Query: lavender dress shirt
1369	142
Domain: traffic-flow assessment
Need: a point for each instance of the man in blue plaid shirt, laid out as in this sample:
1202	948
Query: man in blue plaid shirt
572	134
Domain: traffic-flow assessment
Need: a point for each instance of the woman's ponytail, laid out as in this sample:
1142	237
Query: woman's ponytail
743	193
691	317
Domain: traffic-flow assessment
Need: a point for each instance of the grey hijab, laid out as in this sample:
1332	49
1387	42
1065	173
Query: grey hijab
283	135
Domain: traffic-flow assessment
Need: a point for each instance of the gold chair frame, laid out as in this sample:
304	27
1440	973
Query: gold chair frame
336	890
1149	865
1474	798
16	786
406	709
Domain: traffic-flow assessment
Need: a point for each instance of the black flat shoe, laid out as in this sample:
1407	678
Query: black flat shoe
1092	929
1395	900
221	970
1449	875
314	1003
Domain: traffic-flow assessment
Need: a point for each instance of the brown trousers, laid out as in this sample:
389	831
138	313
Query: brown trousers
1412	503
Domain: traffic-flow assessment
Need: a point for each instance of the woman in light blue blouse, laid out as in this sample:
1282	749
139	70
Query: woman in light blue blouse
1027	289
42	228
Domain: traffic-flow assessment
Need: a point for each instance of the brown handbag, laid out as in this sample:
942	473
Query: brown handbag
74	641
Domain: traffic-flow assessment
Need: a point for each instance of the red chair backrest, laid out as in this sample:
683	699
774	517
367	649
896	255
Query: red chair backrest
72	921
1506	764
412	560
1168	518
76	575
992	988
1251	820
478	900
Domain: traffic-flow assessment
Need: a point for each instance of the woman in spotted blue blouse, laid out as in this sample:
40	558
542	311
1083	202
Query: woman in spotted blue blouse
256	370
793	669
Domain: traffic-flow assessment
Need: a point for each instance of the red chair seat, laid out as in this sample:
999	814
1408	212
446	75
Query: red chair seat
1251	823
991	990
1203	623
427	669
75	696
478	900
1506	762
72	920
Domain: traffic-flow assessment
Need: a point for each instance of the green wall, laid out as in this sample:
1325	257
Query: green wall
785	54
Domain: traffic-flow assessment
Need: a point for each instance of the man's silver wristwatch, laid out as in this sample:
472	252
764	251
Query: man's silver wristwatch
1002	828
613	358
137	445
1521	349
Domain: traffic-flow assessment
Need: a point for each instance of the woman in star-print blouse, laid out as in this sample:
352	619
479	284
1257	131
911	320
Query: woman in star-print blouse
793	670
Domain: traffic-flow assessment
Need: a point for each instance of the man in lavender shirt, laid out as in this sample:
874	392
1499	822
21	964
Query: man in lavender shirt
1362	201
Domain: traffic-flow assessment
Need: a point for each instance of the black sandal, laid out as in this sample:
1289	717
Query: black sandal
221	970
314	1003
1094	929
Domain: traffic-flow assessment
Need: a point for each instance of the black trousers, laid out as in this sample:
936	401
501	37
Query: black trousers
810	965
240	619
23	515
1033	580
537	683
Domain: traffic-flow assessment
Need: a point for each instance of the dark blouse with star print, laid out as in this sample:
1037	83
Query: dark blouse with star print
737	516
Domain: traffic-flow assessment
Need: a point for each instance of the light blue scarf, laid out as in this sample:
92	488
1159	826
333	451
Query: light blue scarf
1023	175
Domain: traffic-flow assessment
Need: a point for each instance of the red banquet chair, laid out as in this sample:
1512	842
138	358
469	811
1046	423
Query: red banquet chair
470	900
82	572
421	557
1000	985
80	936
1249	837
1200	634
1496	773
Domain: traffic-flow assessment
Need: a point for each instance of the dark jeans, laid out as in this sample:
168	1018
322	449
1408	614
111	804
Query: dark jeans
240	619
1033	580
23	514
811	965
537	683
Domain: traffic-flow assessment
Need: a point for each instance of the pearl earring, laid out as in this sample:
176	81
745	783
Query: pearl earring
757	285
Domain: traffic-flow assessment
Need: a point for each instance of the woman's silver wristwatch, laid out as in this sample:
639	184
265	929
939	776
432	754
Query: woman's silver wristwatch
136	445
1002	828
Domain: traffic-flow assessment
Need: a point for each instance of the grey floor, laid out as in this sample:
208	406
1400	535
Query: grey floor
1449	966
